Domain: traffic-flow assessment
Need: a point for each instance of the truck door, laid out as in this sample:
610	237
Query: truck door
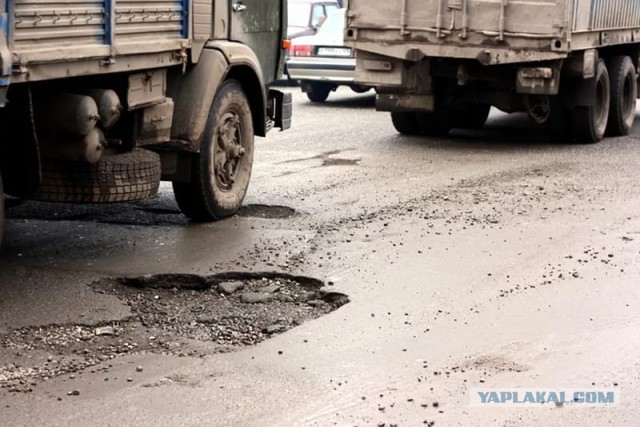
260	24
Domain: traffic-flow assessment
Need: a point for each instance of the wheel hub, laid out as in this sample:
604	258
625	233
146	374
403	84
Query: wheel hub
229	150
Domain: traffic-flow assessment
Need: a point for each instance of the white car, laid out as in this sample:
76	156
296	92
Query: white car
321	62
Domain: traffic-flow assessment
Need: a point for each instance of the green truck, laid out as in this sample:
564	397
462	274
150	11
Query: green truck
101	100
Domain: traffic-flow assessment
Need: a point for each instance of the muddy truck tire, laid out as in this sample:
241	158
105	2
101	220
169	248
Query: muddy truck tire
114	178
221	172
589	123
624	91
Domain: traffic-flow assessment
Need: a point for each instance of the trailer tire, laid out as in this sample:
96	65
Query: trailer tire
406	123
624	91
473	116
114	178
590	123
318	92
218	186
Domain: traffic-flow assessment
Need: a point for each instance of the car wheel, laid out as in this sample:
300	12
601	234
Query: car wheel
222	171
360	89
318	92
405	123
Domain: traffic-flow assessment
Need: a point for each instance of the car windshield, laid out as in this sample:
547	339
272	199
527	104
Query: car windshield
334	24
298	14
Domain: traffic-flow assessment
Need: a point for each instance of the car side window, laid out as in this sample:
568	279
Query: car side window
316	14
330	8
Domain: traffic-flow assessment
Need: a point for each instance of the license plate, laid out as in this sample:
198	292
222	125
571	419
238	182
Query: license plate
334	51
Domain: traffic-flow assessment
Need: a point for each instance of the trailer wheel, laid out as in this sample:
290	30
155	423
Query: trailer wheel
590	123
473	116
318	92
624	91
406	123
222	170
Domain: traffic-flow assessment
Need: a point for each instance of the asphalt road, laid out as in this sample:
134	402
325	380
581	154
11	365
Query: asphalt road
491	258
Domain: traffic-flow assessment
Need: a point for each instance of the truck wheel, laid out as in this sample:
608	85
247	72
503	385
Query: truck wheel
318	92
434	124
114	178
590	123
473	116
406	123
1	210
222	170
624	91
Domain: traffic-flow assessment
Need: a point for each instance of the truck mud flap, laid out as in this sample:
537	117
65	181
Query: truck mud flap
280	108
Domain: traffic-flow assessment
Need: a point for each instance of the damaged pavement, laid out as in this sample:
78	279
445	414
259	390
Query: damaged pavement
371	279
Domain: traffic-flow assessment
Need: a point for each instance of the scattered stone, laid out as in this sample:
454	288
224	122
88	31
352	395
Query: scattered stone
274	328
74	393
139	369
129	380
316	303
269	289
255	297
230	287
105	330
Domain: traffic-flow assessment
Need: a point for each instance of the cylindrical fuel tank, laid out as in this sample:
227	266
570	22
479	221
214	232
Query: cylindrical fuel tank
88	148
109	106
66	112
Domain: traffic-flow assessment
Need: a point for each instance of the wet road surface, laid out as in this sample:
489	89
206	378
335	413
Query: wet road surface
491	258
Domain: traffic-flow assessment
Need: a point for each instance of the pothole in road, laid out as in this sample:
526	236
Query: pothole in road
266	211
184	315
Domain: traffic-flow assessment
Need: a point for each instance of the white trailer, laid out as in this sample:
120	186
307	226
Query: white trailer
572	65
